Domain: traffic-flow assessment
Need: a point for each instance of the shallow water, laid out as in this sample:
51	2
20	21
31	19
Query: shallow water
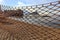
38	20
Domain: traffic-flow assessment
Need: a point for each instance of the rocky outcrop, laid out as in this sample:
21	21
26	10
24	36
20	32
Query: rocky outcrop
13	13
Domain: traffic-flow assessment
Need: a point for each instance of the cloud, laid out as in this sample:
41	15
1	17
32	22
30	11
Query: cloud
1	1
21	4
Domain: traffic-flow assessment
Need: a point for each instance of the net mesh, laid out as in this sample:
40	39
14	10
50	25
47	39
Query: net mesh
39	22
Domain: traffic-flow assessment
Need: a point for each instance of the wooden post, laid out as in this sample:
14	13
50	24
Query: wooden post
0	7
58	2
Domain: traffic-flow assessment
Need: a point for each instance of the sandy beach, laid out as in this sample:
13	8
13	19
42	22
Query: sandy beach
18	30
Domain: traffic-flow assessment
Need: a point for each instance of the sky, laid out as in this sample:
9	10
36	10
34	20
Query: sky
24	2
